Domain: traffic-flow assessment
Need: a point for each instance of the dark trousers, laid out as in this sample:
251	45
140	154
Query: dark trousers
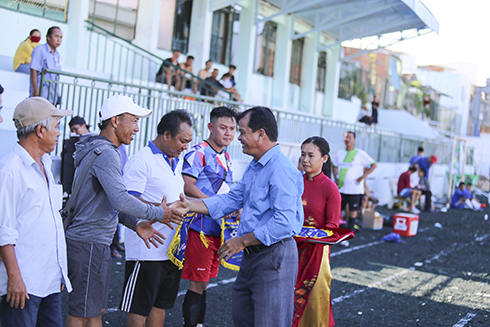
263	293
37	312
428	199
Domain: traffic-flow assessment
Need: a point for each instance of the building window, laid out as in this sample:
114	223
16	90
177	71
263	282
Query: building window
182	25
296	61
51	9
321	72
116	16
224	36
265	49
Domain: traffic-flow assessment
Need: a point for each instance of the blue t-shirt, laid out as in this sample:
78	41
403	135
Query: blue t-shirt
414	159
458	199
423	162
210	169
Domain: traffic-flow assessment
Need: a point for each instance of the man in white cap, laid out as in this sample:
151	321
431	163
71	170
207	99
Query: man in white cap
32	241
102	194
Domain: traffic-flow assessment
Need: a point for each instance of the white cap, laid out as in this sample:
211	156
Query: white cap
121	104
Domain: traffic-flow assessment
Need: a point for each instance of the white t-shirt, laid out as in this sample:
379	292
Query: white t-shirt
149	175
355	169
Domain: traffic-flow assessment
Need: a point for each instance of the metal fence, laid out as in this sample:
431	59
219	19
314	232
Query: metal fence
51	9
84	95
120	60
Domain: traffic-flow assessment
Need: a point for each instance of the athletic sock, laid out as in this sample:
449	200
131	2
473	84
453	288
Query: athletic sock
191	308
202	313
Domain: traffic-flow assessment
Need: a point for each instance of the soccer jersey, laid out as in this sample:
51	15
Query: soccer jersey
213	174
351	166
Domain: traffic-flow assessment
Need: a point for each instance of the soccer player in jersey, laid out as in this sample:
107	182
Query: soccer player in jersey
207	172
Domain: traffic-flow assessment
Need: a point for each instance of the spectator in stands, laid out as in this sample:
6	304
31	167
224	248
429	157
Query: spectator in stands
80	130
187	81
364	117
424	187
426	163
1	103
168	73
414	159
205	73
229	85
231	71
374	113
47	56
406	191
22	57
213	86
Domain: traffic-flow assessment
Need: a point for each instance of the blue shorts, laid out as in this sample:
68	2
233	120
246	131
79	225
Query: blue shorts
405	192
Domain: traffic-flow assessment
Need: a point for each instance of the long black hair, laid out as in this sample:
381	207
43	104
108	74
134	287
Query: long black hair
324	148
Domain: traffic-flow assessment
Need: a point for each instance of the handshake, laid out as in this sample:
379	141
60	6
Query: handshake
175	211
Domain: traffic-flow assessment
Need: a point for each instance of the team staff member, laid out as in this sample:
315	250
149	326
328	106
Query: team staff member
152	280
270	195
351	166
207	172
32	241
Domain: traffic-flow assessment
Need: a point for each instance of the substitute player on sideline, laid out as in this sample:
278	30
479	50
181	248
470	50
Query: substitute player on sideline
351	167
207	172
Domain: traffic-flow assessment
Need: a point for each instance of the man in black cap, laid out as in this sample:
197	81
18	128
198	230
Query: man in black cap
79	130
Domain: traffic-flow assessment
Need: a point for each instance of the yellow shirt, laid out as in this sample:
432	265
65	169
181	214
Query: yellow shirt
23	53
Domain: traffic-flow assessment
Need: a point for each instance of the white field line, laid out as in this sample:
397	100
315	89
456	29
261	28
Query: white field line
465	320
358	247
435	257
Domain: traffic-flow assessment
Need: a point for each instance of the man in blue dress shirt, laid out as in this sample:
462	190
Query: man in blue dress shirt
270	195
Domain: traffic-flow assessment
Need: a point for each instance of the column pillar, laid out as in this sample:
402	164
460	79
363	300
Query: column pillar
147	23
246	46
309	73
331	81
282	63
75	46
200	33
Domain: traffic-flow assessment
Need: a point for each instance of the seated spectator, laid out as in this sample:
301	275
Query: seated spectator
205	73
208	89
424	187
22	57
168	74
370	199
231	71
229	86
364	117
404	189
187	81
473	204
459	197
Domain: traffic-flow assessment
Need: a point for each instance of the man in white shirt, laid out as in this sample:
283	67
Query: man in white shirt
352	166
32	239
152	280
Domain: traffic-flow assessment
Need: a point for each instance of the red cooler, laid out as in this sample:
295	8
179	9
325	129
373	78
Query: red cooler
405	224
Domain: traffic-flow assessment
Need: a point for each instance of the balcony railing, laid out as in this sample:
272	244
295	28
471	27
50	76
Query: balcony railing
85	95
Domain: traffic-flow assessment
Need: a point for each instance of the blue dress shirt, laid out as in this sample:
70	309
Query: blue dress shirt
42	57
270	195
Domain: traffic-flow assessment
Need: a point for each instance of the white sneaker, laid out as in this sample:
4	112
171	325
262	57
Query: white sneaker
344	243
415	210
